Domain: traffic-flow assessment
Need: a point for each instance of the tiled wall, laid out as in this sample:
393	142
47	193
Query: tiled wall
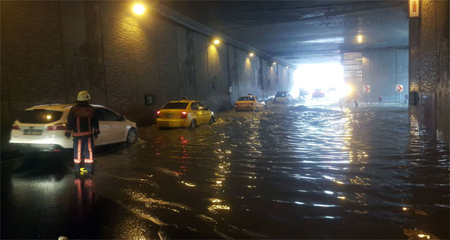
429	62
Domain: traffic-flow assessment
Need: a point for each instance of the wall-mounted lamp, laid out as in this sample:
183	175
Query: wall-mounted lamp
216	41
360	38
287	66
138	9
251	54
274	63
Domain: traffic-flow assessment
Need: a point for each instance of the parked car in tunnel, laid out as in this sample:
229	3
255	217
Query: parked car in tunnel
249	103
42	128
318	93
184	113
282	97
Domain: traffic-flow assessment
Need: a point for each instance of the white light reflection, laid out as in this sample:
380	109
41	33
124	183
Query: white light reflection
324	205
325	40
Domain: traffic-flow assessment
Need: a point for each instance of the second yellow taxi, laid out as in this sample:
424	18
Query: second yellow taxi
184	113
249	103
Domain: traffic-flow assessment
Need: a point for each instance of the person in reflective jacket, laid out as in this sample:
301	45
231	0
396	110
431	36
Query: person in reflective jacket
82	123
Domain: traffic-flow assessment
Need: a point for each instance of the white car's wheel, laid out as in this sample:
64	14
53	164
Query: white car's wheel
132	137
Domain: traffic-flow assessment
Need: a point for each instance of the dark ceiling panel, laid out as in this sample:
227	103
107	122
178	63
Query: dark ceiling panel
304	31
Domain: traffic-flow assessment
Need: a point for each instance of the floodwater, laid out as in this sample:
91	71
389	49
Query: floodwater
298	171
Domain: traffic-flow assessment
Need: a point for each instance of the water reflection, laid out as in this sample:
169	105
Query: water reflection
290	171
85	195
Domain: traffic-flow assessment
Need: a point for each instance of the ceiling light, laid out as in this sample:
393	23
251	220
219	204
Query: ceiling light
139	9
360	38
251	54
216	41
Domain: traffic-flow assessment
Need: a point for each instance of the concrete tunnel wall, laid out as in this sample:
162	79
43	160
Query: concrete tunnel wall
383	69
51	50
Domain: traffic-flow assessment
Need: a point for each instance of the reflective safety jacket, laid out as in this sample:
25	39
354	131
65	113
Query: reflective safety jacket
82	120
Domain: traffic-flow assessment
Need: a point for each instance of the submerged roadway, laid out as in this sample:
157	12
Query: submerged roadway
309	170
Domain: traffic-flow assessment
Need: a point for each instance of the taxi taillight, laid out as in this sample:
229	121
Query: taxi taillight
183	114
15	127
157	114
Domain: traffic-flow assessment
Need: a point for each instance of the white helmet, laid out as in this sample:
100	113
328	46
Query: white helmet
83	96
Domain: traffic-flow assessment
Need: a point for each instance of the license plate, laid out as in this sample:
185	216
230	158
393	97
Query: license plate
32	132
169	115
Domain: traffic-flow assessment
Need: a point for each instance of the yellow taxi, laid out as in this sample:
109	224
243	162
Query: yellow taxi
249	103
184	113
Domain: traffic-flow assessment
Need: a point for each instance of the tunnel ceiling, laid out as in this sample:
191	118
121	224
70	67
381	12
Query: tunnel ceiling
304	31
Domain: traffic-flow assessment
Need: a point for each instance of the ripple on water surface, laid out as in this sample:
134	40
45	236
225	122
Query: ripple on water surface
292	172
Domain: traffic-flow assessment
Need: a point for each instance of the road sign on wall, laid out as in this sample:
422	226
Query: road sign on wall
353	73
399	88
353	55
366	88
351	62
352	67
352	80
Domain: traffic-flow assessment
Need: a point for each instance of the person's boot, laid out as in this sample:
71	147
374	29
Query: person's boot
89	168
76	167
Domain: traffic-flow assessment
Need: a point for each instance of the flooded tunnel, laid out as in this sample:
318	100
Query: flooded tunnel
350	139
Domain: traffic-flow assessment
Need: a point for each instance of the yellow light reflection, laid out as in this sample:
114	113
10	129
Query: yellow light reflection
341	197
138	9
424	236
188	184
218	207
215	200
248	64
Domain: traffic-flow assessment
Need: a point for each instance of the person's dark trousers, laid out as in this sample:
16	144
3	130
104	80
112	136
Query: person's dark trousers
82	150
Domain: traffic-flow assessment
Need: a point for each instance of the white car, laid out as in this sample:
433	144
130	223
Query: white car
282	97
42	128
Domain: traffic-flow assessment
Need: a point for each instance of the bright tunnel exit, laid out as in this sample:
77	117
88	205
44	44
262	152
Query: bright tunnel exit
321	81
